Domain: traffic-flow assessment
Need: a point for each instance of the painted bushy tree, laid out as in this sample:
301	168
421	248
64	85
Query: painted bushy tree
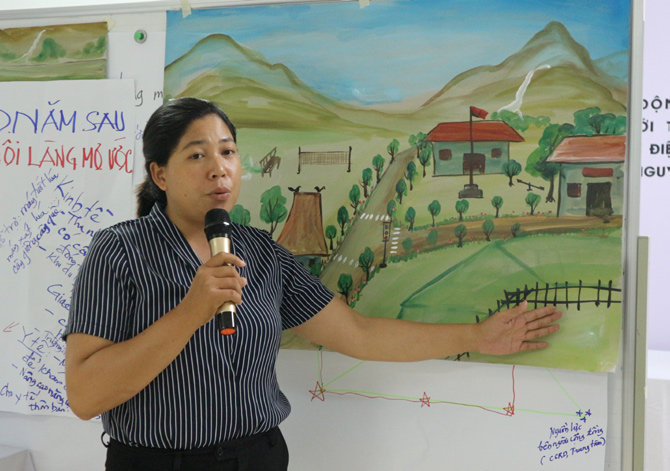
273	210
378	164
240	216
497	203
462	207
434	208
365	262
410	216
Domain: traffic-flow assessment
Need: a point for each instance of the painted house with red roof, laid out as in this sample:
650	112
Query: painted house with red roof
592	175
487	141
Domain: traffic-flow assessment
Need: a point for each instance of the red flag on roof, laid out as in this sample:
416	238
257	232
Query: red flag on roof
478	112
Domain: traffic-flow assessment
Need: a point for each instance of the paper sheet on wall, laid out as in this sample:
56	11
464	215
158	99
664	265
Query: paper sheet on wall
443	415
66	160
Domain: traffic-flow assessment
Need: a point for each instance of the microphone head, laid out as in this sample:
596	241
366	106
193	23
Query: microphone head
217	223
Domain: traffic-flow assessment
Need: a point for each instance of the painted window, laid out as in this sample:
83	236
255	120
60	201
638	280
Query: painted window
574	190
445	154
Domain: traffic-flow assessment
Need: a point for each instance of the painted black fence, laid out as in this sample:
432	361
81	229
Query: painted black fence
561	294
558	294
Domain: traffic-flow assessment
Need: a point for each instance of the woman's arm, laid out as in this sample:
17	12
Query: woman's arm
101	374
340	328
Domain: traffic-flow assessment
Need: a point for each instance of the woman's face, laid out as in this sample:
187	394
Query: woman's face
203	172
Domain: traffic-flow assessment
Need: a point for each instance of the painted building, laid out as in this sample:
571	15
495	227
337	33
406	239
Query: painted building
302	234
591	179
489	151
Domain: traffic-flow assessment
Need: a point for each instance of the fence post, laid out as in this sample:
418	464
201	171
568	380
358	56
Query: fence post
299	158
579	295
609	294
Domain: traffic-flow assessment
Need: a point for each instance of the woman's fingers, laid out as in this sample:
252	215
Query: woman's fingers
536	320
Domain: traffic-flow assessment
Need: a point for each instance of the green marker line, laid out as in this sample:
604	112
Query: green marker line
345	373
564	390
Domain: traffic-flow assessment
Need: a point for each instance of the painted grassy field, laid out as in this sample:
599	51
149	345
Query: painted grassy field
469	280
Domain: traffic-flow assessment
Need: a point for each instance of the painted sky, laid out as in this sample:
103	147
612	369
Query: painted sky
372	55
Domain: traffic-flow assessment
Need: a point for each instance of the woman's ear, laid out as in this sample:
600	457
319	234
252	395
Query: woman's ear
158	175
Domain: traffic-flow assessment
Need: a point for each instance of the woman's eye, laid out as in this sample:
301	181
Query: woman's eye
197	156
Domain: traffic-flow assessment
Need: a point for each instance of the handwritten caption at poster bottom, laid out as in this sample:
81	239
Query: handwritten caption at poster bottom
570	441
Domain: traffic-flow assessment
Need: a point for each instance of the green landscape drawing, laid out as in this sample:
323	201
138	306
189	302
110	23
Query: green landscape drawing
429	163
57	52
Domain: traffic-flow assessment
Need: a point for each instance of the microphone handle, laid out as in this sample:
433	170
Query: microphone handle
225	317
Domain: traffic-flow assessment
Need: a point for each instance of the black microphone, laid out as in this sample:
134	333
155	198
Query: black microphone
217	230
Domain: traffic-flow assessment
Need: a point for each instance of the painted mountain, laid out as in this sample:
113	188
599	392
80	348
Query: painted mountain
565	79
58	52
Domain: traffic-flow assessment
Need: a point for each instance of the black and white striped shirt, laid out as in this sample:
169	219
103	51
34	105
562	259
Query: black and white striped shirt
220	387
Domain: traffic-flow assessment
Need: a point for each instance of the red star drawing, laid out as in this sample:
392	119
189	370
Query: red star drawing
425	400
509	409
318	391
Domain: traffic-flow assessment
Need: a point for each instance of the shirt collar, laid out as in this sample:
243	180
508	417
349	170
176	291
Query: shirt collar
172	235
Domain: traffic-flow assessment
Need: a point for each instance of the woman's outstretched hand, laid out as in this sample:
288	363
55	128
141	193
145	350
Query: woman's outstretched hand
516	329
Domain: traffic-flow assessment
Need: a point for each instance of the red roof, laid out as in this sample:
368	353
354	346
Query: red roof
580	149
481	131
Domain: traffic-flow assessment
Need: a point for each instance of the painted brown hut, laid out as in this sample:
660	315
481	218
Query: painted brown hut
302	234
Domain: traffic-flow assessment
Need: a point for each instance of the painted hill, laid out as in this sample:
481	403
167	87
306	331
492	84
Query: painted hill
261	95
572	82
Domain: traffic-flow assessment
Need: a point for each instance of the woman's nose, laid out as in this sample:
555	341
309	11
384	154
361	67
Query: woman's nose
218	168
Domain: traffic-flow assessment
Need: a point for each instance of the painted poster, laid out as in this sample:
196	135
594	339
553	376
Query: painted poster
58	52
432	162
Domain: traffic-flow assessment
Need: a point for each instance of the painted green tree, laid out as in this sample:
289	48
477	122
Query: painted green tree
511	168
537	164
411	174
434	208
520	123
425	156
366	180
365	262
432	237
390	209
317	267
407	245
418	141
378	164
273	210
533	200
344	285
410	216
462	207
240	216
355	198
50	50
392	149
460	232
488	227
400	189
497	203
342	219
331	233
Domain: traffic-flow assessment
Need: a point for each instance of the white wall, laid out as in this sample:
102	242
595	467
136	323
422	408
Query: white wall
655	190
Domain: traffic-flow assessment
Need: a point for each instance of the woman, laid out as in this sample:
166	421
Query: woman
142	347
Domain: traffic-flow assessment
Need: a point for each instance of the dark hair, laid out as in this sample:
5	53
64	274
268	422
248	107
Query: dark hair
165	128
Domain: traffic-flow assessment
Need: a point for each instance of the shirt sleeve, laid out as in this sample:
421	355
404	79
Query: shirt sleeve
304	295
101	292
